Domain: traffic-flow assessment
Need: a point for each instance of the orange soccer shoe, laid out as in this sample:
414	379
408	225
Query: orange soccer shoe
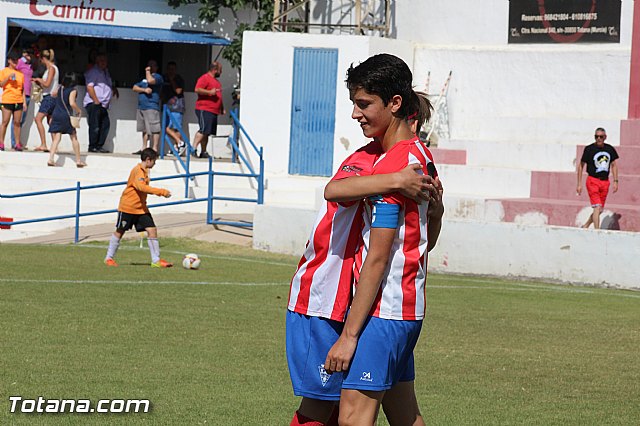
162	264
110	262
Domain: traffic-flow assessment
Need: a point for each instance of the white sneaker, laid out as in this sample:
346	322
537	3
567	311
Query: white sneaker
182	147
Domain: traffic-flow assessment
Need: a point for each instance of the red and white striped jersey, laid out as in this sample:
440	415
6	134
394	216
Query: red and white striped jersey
402	292
322	284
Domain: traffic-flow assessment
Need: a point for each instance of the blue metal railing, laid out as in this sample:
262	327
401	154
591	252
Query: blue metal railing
234	141
165	140
187	176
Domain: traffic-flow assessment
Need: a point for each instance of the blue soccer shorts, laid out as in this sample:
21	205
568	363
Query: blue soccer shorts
384	355
308	342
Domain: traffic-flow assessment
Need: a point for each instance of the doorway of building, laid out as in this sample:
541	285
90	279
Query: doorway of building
313	111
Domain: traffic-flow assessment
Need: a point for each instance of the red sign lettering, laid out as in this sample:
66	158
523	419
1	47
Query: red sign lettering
69	11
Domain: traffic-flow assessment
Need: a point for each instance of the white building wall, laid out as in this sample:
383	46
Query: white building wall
530	94
452	22
267	76
546	93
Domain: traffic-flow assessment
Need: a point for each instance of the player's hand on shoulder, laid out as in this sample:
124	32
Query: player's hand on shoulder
415	185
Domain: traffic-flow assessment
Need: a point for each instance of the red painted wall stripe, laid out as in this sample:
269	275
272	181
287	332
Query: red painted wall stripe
634	79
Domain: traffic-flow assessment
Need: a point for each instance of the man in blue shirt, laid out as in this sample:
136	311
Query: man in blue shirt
148	113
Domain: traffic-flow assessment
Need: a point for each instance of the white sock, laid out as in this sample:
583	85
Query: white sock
154	248
114	243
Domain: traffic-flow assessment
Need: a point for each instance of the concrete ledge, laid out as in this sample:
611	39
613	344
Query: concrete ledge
282	229
569	255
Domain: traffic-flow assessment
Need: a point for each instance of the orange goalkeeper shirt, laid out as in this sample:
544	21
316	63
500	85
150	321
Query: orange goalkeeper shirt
134	196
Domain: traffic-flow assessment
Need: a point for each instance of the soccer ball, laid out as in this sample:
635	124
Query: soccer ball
191	261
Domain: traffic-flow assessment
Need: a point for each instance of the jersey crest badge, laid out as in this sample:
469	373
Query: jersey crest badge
324	376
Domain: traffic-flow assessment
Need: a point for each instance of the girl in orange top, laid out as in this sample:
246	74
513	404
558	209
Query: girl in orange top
13	101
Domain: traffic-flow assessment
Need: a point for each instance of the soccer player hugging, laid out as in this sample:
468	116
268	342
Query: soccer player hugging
357	299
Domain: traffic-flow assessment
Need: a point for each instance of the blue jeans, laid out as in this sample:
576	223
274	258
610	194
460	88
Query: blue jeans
99	124
24	115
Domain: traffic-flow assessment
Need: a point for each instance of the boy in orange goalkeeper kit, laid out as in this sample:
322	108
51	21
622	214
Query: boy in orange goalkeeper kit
133	210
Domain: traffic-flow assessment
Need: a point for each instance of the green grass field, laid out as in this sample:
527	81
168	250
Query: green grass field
207	346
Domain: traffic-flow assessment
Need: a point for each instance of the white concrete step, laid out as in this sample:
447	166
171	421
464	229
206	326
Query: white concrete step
533	156
299	191
16	185
65	158
27	172
25	176
42	228
19	185
487	182
535	130
17	233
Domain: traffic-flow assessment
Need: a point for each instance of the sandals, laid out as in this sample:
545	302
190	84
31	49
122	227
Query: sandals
51	163
41	149
81	165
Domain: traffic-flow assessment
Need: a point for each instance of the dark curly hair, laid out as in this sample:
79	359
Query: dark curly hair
385	75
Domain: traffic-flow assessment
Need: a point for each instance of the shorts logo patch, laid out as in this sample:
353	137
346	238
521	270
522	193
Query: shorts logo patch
324	376
366	376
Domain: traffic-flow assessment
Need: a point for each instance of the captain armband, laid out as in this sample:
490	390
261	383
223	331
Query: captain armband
385	215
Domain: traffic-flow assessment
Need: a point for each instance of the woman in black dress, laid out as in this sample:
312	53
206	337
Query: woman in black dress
60	121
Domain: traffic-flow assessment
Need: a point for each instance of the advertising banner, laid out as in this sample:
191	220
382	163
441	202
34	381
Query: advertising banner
564	21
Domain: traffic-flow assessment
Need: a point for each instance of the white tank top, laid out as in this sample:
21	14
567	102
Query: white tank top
54	84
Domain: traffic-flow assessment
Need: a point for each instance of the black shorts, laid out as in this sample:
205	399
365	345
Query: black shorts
207	122
126	221
12	107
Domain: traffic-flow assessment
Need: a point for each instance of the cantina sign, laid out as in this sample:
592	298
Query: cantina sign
67	11
564	21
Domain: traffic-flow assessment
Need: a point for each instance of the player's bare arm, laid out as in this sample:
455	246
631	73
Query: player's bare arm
339	356
614	170
579	168
407	181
